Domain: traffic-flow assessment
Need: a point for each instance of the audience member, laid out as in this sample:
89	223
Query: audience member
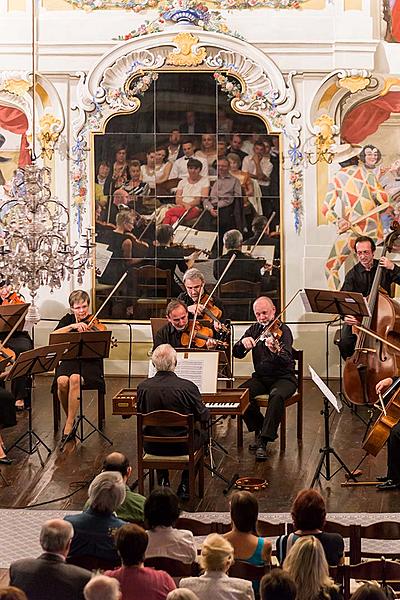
174	145
192	123
161	512
137	581
235	147
369	591
94	528
243	537
251	201
48	576
179	168
134	185
120	168
277	585
190	193
308	514
132	508
13	593
259	166
216	559
307	564
207	149
101	587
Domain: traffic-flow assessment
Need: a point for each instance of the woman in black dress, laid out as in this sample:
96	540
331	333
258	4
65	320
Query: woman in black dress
66	380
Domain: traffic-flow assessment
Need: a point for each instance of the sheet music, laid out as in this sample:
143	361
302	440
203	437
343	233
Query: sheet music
199	367
204	240
266	252
103	256
337	405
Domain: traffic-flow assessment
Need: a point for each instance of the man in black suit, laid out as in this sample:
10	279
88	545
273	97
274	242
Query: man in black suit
167	391
48	576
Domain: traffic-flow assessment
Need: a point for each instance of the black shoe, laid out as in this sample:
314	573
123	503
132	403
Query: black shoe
382	478
388	485
68	437
5	461
261	452
183	492
254	445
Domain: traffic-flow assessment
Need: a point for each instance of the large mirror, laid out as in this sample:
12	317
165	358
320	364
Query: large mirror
172	179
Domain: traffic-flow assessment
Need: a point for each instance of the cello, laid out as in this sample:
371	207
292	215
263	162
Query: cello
372	360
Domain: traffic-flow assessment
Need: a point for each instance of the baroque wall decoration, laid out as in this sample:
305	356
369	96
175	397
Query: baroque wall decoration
264	92
164	5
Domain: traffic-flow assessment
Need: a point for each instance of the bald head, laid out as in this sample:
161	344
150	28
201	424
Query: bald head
264	309
102	587
116	461
56	536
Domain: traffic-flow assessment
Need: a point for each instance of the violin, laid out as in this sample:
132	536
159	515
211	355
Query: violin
272	331
200	336
211	312
13	298
94	324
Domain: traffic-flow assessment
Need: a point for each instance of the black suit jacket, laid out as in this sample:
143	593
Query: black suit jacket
48	577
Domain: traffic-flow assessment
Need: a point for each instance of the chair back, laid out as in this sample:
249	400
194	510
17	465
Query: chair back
244	570
382	530
93	563
167	418
237	298
371	570
152	282
156	324
197	527
173	567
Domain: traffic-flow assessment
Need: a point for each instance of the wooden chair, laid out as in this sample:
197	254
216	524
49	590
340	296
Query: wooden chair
193	460
244	570
383	530
264	528
297	398
101	411
197	527
371	570
92	563
157	323
239	294
153	290
173	567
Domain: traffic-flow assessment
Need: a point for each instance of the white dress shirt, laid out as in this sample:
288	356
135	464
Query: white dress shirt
216	585
178	544
266	165
179	168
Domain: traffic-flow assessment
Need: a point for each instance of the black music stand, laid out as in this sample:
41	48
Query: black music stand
336	303
32	362
83	346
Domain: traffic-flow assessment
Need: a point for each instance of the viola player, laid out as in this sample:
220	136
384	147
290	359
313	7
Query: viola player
66	380
273	375
390	481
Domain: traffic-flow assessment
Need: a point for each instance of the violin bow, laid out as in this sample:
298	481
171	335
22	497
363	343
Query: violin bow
232	258
270	325
181	218
196	312
116	286
146	228
14	328
267	224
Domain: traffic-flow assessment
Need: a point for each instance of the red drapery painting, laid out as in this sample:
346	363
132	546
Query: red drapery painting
366	118
14	120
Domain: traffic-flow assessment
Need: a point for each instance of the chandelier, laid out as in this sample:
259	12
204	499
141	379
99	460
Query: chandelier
34	250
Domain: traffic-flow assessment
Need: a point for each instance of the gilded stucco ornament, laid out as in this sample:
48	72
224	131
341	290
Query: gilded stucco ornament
187	54
50	128
354	80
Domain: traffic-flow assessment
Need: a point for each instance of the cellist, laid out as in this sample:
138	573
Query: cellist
66	380
390	481
360	279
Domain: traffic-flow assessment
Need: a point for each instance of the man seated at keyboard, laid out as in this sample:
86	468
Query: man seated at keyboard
167	391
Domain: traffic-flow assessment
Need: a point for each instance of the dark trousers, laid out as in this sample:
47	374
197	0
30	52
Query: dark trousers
347	342
393	454
278	390
21	386
200	438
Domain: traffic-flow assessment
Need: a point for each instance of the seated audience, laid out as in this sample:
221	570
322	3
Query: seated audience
247	545
307	564
174	147
308	514
235	147
137	581
207	149
369	591
216	559
132	508
12	593
119	168
161	513
48	576
134	185
179	169
277	585
101	587
94	528
191	192
251	204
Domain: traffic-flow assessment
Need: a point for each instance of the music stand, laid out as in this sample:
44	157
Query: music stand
83	346
10	314
32	362
336	303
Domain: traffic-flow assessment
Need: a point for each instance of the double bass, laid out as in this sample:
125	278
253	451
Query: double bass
372	359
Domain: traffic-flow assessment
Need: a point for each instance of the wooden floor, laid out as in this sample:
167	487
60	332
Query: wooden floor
66	472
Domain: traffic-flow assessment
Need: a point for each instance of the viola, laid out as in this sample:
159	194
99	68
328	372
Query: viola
212	313
200	336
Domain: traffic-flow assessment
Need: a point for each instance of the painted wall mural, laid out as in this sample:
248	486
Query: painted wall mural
391	14
165	5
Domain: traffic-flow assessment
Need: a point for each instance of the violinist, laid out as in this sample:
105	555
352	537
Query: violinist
360	279
127	250
390	481
66	380
273	374
178	324
165	255
20	341
194	282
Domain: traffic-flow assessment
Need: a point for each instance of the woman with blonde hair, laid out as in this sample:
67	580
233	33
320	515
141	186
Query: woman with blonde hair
307	565
216	559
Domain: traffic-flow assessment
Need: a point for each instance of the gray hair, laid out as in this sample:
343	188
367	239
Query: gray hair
164	358
107	492
193	274
182	594
234	157
233	239
101	587
55	535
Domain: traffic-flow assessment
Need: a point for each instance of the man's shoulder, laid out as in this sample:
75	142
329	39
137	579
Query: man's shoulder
32	565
